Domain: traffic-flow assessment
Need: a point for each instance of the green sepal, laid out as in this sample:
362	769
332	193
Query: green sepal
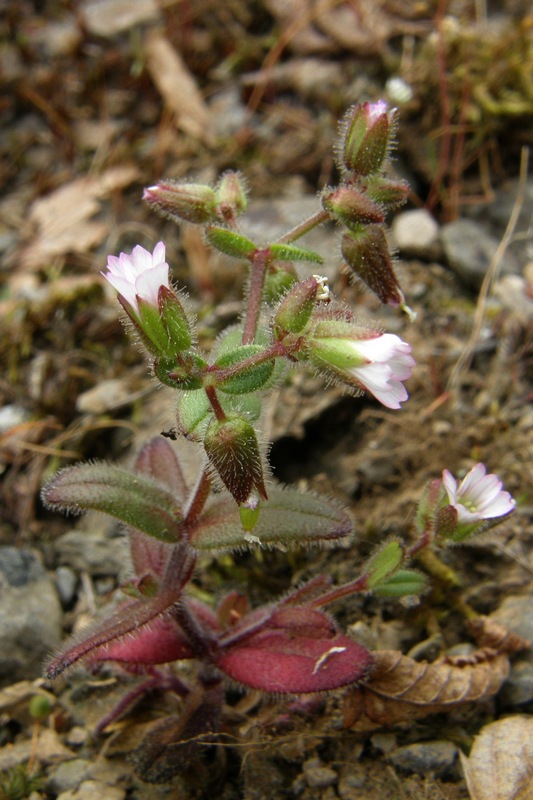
290	252
179	376
383	564
277	283
288	518
295	309
194	411
253	378
155	336
230	242
403	583
174	321
113	490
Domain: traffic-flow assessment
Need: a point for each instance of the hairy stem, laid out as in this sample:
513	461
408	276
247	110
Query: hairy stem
255	295
304	227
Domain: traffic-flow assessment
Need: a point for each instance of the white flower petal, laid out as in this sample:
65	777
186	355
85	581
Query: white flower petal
140	273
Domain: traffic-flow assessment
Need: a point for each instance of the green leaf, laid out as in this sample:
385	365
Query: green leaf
403	583
383	564
113	490
290	252
288	518
250	380
229	242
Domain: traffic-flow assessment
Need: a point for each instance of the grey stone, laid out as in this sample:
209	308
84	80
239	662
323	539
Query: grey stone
93	551
30	615
12	415
416	233
518	688
499	213
66	581
318	776
470	249
93	790
436	757
516	613
68	775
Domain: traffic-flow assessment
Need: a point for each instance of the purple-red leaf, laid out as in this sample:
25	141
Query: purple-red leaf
159	642
276	661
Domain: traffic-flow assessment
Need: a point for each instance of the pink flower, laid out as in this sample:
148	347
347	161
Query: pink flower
386	363
140	274
479	496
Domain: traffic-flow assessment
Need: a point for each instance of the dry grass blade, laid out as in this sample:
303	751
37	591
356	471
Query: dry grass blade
465	358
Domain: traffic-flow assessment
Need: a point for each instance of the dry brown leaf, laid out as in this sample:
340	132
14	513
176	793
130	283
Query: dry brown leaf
60	222
401	689
500	766
178	87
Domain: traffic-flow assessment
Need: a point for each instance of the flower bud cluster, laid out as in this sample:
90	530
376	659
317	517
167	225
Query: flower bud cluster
365	195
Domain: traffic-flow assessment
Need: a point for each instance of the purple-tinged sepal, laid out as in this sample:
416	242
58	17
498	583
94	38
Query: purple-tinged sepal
183	202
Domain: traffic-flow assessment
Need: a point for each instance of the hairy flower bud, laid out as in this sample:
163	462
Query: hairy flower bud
388	192
367	255
350	206
232	449
183	202
231	195
367	132
294	311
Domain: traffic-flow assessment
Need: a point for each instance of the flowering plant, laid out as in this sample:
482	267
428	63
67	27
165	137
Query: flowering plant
289	645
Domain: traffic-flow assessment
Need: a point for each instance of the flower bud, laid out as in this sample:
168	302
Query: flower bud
294	311
366	252
189	202
351	207
366	138
386	191
232	449
277	281
231	195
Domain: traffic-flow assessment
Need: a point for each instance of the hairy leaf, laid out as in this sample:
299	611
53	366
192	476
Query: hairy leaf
157	460
284	660
133	499
291	252
288	517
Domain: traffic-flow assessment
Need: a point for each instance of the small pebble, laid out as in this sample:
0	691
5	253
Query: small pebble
435	757
416	233
317	776
93	790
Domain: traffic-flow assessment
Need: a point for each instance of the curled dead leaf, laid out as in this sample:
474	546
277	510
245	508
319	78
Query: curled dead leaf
401	689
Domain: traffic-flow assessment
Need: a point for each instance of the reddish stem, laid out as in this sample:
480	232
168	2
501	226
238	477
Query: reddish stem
255	295
211	393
